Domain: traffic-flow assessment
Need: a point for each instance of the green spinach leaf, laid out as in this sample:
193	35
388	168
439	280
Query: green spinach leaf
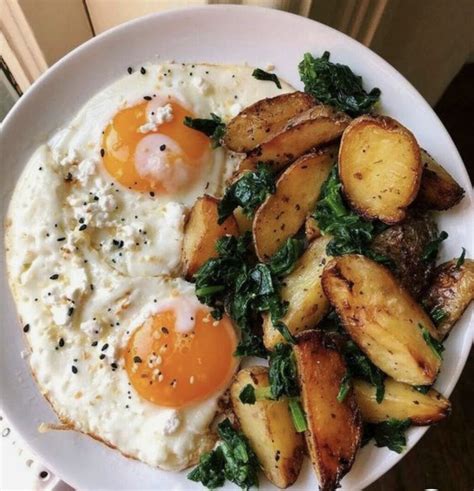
213	127
431	250
336	85
390	433
260	74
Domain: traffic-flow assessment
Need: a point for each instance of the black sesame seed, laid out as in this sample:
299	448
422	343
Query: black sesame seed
163	147
137	359
70	311
147	98
61	342
114	365
43	474
164	330
26	328
102	152
68	178
106	345
91	286
54	277
142	70
81	220
129	70
102	356
152	194
95	343
82	227
74	369
60	239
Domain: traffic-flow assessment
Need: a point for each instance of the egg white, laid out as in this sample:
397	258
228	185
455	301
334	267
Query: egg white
92	286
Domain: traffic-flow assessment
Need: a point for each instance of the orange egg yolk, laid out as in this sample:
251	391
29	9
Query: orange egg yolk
175	369
165	160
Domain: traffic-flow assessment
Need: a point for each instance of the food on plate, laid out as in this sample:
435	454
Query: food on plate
334	428
450	293
380	168
383	319
302	289
313	128
202	232
405	245
264	119
268	426
192	216
401	401
94	259
283	213
438	190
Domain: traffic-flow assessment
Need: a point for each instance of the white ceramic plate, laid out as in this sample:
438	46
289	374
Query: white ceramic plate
219	34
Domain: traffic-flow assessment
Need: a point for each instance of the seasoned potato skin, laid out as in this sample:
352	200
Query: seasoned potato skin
334	428
405	244
268	426
202	232
303	291
452	290
283	213
438	190
316	127
264	119
382	318
375	183
401	401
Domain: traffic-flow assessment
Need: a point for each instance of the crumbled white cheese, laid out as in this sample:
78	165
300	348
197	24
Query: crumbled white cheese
92	328
157	117
201	85
270	67
85	169
172	423
235	109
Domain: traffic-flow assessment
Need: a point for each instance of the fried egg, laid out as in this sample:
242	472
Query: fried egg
120	345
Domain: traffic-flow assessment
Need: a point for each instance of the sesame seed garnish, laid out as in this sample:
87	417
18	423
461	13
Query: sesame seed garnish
137	359
60	239
163	147
94	343
70	311
82	227
114	366
129	70
54	276
152	194
102	356
102	152
148	98
106	345
142	70
61	342
74	369
164	330
26	328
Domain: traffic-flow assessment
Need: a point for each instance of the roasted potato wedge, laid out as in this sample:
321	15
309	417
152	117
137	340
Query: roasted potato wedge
243	221
379	167
382	318
438	190
313	128
405	244
334	428
283	213
401	401
202	232
269	428
311	228
264	119
452	290
303	291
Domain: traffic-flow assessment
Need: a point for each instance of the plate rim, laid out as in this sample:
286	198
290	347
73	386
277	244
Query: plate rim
416	433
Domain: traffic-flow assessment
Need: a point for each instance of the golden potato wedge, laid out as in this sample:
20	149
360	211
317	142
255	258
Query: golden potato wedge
401	401
243	221
202	232
269	429
452	290
283	213
379	167
311	129
303	291
438	190
311	228
334	428
264	119
382	318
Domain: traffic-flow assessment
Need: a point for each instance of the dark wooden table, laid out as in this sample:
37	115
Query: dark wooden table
444	458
